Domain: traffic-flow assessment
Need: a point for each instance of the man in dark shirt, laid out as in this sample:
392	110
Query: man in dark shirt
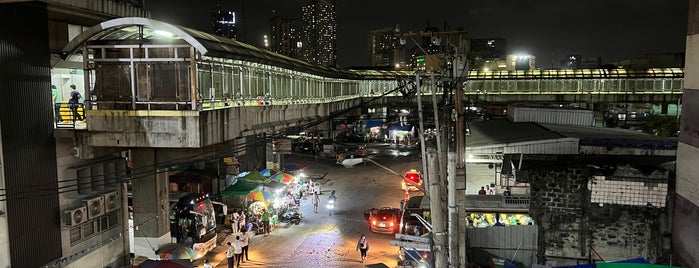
482	191
74	102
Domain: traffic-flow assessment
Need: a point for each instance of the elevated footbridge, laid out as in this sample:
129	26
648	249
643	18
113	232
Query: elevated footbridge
151	84
602	85
156	85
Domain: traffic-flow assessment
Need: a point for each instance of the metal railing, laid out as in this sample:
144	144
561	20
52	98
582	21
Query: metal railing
69	115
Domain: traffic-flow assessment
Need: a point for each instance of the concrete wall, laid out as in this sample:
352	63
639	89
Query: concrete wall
198	129
570	225
685	216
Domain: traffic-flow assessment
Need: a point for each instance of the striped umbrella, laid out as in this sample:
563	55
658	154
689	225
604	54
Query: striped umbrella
268	172
260	195
293	167
283	178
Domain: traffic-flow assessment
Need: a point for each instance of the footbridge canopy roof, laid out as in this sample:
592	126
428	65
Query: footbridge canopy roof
123	30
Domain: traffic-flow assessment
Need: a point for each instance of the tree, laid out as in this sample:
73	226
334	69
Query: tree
661	125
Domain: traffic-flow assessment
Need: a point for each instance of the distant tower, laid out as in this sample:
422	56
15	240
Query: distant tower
284	36
319	33
223	23
383	47
487	50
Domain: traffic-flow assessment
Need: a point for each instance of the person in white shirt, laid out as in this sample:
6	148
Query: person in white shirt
230	255
234	221
488	190
207	265
241	221
238	250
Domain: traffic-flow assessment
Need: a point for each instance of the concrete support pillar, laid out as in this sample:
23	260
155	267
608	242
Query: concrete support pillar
150	203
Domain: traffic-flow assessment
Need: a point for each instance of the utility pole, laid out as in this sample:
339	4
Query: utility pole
460	66
442	174
453	253
422	134
439	250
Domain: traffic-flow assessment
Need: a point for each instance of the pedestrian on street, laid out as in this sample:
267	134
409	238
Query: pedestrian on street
235	217
246	244
207	264
265	220
230	255
331	203
316	188
316	200
241	221
363	246
238	250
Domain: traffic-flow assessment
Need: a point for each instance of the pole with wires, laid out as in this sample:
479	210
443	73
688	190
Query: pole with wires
422	134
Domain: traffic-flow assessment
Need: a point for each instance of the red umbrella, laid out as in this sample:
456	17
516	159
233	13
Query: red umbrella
283	178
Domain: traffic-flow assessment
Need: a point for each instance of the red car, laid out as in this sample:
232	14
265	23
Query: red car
385	220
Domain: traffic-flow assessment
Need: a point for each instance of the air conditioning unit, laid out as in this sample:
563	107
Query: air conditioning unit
95	206
76	216
112	201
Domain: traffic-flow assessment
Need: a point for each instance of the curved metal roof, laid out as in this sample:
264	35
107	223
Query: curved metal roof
213	46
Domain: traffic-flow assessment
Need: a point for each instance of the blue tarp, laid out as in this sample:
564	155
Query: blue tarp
373	123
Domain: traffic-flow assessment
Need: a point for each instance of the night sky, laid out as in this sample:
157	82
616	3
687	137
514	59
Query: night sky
611	29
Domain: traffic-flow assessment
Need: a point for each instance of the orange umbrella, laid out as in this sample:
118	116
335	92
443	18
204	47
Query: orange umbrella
283	178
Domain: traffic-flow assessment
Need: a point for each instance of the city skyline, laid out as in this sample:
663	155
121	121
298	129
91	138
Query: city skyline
547	29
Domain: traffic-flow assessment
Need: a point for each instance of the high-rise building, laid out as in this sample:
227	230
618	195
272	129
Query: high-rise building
490	48
383	47
284	37
319	33
485	51
223	23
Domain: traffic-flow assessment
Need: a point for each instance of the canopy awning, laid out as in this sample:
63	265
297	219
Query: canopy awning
241	187
254	177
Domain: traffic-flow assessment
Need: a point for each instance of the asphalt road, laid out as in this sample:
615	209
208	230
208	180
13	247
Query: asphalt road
321	240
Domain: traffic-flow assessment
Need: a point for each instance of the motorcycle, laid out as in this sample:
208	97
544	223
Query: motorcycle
290	216
331	206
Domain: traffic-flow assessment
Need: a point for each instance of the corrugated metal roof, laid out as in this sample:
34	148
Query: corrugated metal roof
505	136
